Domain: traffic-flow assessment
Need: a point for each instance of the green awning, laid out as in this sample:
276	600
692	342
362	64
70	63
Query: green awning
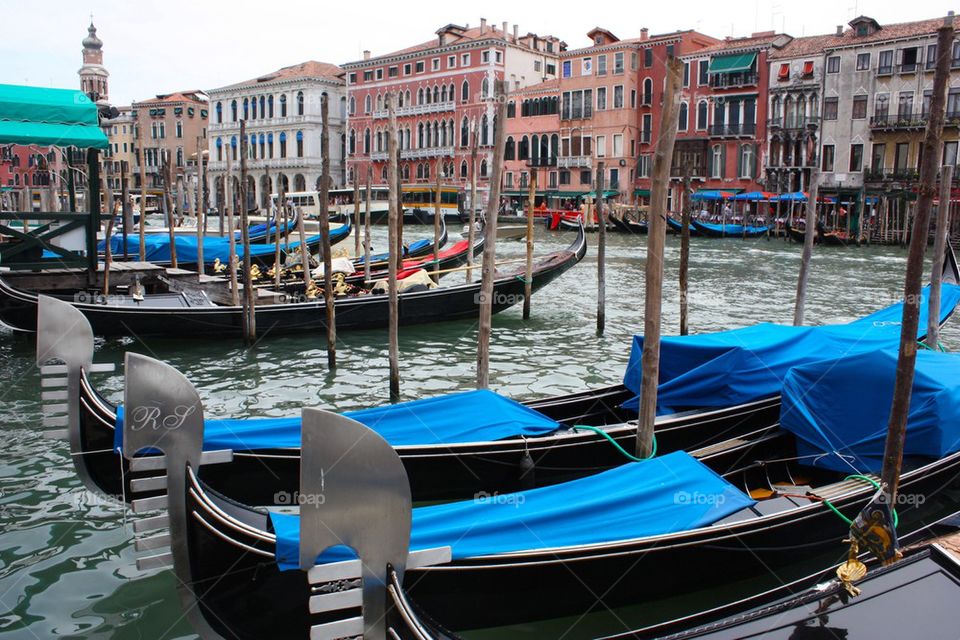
644	193
59	117
608	193
523	194
732	63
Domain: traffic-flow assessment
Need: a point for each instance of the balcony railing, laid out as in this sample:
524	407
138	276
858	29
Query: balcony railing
810	163
893	174
794	123
916	120
570	162
415	154
912	67
729	80
418	109
733	130
542	162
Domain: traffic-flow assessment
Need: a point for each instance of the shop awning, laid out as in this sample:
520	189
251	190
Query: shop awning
524	193
57	117
643	193
732	63
608	193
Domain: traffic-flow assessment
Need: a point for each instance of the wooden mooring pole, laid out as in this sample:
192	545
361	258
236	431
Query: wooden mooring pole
393	227
108	248
656	239
437	214
125	207
229	204
328	295
368	221
357	230
249	294
528	278
168	208
490	244
472	214
939	251
906	363
143	192
685	254
810	232
601	220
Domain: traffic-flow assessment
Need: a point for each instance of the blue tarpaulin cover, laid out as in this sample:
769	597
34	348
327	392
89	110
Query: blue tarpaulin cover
840	408
744	365
730	229
471	416
664	495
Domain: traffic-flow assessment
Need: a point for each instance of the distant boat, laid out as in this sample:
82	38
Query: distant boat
728	230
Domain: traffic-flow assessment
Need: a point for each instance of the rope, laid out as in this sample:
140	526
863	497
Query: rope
876	485
629	456
940	347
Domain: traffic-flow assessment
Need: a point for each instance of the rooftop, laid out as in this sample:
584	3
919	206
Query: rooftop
189	95
761	40
311	69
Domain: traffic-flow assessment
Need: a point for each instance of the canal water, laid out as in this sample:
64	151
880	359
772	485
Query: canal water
66	558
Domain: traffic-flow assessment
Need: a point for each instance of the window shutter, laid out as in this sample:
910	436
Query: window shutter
723	161
753	164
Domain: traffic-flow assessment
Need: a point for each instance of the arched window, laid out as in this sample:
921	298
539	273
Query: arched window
283	144
420	136
508	149
554	146
436	133
253	108
246	108
428	95
465	91
484	133
451	136
219	112
426	171
263	107
544	148
702	112
716	161
283	105
270	145
419	171
353	141
682	117
420	95
270	106
647	91
379	102
483	168
263	146
463	169
451	92
366	141
299	144
400	102
443	135
252	146
535	148
368	104
523	153
443	93
383	174
379	140
436	93
485	88
299	103
233	147
746	161
464	132
219	150
353	105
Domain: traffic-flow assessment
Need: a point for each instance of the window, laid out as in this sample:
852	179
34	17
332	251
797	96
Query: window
828	155
859	107
499	57
420	67
485	57
863	61
881	106
564	177
648	58
833	64
646	130
784	72
745	169
618	62
451	62
179	128
702	110
905	106
955	55
601	146
602	99
686	74
465	59
618	145
567	66
299	103
219	113
465	91
618	97
393	72
602	65
435	64
643	167
950	153
551	69
379	74
830	106
856	157
352	78
586	66
283	105
537	66
885	63
878	155
909	59
953	103
647	92
704	78
585	177
716	161
683	115
163	130
901	156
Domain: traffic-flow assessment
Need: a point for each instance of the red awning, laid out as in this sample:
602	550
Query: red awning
808	68
784	73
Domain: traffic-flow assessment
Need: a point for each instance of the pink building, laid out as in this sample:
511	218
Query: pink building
444	89
533	142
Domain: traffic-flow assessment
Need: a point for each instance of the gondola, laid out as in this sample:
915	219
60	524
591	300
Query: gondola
586	537
822	237
710	230
627	226
677	227
192	313
442	466
416	249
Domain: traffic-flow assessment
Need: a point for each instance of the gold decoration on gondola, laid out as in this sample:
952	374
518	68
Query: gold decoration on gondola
255	273
852	570
312	291
219	267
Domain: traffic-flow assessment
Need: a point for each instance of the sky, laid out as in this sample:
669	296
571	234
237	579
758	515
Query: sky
153	46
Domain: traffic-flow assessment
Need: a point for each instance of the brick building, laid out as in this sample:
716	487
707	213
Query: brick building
169	124
444	89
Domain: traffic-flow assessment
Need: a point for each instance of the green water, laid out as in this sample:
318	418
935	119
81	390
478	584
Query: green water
66	558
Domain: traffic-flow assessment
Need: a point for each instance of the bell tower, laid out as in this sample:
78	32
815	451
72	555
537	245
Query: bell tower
93	75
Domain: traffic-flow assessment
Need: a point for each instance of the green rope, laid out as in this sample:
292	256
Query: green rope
599	431
876	485
940	347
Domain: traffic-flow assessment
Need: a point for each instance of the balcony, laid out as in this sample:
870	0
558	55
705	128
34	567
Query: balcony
264	163
542	162
906	121
794	123
909	68
732	80
577	114
890	174
794	165
264	123
573	162
733	130
418	109
415	154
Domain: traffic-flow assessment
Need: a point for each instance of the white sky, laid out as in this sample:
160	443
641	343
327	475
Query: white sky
159	46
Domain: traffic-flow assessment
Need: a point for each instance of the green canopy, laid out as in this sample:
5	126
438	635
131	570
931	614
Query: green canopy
57	117
607	193
732	63
642	192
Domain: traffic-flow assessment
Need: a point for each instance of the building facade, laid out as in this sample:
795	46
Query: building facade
876	101
722	133
282	111
444	90
533	140
169	125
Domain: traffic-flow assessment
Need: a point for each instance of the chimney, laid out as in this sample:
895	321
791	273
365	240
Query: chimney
366	54
839	29
644	34
483	25
505	26
516	33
